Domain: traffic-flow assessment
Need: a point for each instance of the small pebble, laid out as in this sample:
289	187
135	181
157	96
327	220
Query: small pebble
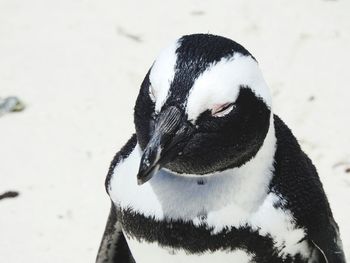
11	104
9	194
311	98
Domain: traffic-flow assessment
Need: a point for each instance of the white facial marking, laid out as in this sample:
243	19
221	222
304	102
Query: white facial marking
162	74
221	82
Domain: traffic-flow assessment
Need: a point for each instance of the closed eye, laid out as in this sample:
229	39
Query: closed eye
221	109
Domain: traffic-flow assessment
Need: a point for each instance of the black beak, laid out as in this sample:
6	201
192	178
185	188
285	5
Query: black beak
170	133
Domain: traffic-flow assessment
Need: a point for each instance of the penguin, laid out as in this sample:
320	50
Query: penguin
211	173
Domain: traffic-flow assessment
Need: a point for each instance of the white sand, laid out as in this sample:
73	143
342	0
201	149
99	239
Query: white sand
79	72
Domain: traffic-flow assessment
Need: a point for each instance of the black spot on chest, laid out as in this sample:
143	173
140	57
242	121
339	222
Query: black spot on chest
201	181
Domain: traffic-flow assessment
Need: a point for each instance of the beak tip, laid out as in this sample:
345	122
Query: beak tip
140	181
144	176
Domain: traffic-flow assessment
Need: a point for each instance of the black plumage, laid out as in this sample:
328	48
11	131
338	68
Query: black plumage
217	144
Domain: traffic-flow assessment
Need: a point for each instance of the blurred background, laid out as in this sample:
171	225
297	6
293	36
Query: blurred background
77	66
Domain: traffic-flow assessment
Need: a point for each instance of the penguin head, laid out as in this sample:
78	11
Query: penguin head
203	107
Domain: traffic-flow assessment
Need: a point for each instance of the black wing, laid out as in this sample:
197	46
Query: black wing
114	247
296	179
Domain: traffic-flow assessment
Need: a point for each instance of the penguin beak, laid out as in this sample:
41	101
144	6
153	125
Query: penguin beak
170	131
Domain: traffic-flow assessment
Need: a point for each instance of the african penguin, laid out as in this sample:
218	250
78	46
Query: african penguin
211	174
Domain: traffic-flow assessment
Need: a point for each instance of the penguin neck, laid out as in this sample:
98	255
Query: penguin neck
233	194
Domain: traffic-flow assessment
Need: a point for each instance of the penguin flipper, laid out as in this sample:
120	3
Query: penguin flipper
296	179
329	250
113	247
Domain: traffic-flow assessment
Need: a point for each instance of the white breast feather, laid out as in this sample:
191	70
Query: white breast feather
232	198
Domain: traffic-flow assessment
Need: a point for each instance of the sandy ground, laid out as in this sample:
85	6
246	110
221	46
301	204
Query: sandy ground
78	66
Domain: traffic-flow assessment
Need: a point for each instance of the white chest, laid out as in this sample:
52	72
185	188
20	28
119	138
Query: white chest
234	198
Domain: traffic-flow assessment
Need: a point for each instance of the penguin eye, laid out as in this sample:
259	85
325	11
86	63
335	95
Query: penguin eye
221	109
151	93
